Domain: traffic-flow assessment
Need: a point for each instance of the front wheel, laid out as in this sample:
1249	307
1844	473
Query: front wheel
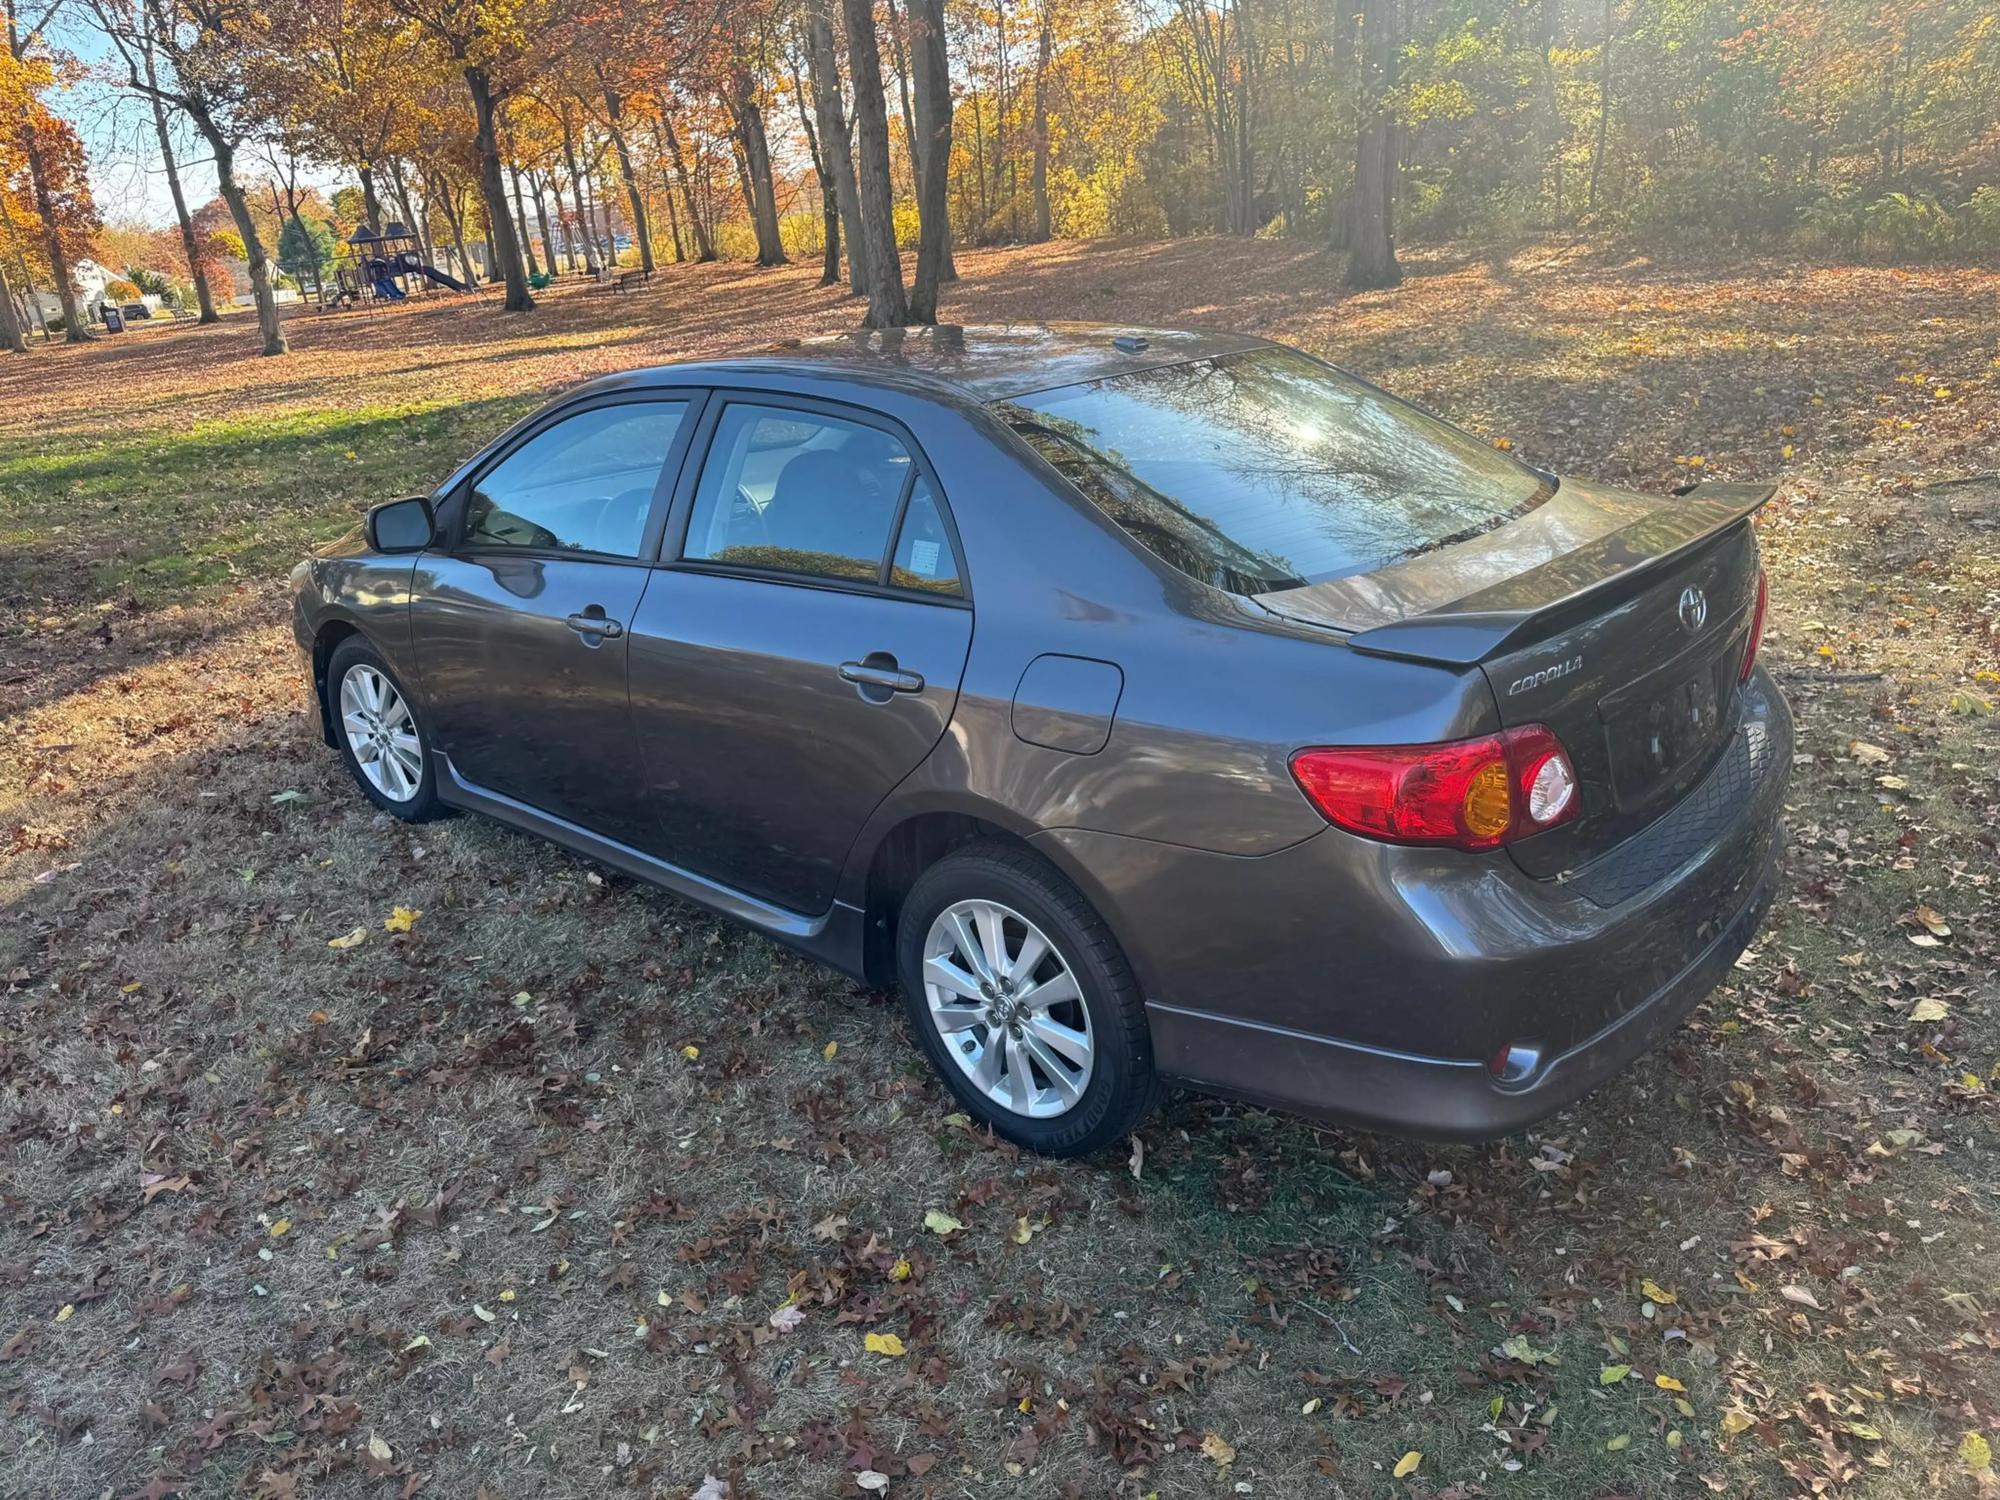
1023	1002
379	734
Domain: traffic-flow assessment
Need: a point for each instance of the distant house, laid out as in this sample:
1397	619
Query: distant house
89	278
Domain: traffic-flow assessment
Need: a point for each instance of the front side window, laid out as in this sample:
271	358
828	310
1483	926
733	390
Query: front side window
1268	470
796	492
583	485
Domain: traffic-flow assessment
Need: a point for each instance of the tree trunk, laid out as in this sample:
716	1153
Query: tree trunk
756	165
829	210
576	190
419	230
642	229
246	228
836	141
1371	261
933	81
371	206
899	49
74	330
197	269
1603	108
506	250
888	304
521	222
667	188
1039	179
12	339
542	219
454	218
704	243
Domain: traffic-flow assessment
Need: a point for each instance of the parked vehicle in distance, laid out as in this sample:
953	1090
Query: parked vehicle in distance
1143	705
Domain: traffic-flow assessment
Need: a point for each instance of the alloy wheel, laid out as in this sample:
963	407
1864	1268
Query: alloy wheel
1006	1004
381	733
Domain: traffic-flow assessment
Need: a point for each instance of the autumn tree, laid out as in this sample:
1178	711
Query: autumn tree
53	156
197	49
497	47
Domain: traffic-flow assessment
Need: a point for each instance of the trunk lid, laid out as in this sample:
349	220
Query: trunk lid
1619	620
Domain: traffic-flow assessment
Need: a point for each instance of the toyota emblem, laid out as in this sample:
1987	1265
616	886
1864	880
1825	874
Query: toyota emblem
1694	609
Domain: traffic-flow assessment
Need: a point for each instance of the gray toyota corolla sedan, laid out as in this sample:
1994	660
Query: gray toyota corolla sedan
1142	705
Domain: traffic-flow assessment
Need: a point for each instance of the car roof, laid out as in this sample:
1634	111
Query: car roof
986	362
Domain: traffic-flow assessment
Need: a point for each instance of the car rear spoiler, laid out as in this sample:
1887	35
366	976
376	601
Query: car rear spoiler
1587	581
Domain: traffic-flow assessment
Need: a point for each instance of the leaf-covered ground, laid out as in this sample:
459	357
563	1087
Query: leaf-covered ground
564	1189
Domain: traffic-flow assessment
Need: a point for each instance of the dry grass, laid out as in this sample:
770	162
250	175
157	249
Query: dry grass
533	1244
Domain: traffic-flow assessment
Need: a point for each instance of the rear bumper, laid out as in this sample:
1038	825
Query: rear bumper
1370	984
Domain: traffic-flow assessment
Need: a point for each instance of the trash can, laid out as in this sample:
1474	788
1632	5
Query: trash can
114	320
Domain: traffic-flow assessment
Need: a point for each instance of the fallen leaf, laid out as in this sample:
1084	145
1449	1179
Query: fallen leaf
1801	1295
281	1226
1734	1421
1933	921
1619	1444
829	1050
1024	1230
1407	1464
353	939
900	1271
937	1221
787	1318
401	919
379	1450
1975	1453
711	1488
1668	1383
887	1344
68	1312
1217	1449
1654	1292
1612	1374
1867	754
1929	1010
872	1480
690	1052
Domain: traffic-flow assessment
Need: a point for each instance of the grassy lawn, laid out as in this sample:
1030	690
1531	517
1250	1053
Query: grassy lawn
517	1200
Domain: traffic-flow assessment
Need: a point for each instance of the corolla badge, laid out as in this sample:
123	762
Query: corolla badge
1694	609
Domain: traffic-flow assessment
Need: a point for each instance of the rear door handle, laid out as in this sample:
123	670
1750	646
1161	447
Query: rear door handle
886	678
595	626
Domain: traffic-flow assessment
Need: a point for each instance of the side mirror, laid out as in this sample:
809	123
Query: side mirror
401	525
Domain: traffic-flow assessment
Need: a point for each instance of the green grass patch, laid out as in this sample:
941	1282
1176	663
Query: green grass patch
162	517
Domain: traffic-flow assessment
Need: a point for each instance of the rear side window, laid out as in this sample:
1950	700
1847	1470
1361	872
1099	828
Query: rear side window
797	492
1268	470
582	485
924	559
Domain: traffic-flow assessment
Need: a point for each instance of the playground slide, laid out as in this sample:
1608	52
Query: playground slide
387	290
449	283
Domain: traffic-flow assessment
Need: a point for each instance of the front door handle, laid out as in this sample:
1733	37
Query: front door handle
592	625
881	673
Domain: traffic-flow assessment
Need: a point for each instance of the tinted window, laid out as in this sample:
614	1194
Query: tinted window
1267	469
798	492
924	559
583	485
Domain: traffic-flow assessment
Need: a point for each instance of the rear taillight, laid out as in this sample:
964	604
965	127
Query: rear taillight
1756	627
1467	794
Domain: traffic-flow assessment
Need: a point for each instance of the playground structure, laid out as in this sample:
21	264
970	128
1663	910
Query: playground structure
383	267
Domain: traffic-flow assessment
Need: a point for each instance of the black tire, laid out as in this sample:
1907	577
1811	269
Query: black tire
422	804
1122	1088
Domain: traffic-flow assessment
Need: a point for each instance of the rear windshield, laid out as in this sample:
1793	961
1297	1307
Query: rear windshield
1268	470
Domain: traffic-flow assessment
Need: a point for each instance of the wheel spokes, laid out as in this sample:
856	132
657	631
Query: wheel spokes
946	975
1052	992
1066	1041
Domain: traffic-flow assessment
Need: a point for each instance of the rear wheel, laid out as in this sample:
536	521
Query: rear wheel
1023	1002
379	734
